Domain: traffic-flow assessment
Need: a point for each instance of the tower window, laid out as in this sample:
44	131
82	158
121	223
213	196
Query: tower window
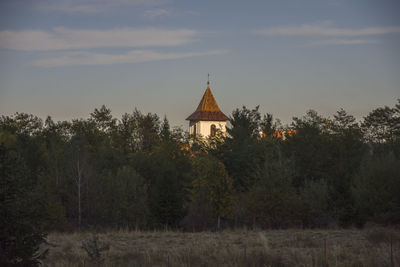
213	130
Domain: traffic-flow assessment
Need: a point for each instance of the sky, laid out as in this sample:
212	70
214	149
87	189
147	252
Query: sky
64	58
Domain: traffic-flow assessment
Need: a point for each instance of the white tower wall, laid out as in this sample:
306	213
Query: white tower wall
203	128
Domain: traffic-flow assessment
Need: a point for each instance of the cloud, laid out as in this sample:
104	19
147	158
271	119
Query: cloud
70	39
69	47
155	13
93	6
342	42
89	58
325	29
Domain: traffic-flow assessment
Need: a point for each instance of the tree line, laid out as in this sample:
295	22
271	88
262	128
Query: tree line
137	172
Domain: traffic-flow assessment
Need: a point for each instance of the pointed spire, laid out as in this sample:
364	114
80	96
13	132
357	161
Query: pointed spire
208	109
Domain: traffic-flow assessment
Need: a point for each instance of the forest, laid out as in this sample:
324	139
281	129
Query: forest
137	172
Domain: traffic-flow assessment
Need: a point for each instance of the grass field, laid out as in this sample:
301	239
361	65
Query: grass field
370	247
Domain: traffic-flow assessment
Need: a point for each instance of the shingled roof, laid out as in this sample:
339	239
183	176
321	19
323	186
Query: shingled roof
208	109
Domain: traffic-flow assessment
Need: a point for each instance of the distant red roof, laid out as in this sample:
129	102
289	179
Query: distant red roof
208	109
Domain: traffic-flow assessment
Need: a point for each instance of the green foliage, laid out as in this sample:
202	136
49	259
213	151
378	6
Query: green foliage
347	151
166	201
273	202
124	199
269	126
315	197
381	129
380	125
167	172
21	231
139	172
21	123
309	148
212	187
377	189
241	153
137	132
103	119
165	132
50	195
245	123
330	151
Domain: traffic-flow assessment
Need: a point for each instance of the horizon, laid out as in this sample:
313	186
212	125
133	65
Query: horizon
186	127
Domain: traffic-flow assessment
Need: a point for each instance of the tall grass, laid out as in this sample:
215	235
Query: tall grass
229	248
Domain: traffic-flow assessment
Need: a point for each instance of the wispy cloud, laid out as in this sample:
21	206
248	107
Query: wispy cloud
93	6
156	13
325	29
343	42
89	58
69	39
68	47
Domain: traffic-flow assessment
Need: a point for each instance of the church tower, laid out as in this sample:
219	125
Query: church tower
207	118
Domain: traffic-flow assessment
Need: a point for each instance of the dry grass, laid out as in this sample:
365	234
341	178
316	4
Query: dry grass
369	247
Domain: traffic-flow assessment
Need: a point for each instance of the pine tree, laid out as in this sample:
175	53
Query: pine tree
212	187
21	231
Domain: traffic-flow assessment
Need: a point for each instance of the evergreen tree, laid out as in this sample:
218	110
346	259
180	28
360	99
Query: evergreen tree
165	129
272	201
103	119
124	199
241	153
377	189
21	215
212	187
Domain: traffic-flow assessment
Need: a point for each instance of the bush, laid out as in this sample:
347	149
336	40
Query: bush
94	248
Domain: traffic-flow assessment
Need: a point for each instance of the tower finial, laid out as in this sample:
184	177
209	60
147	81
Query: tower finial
208	81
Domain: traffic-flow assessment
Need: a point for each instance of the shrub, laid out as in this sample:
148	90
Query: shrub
94	248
